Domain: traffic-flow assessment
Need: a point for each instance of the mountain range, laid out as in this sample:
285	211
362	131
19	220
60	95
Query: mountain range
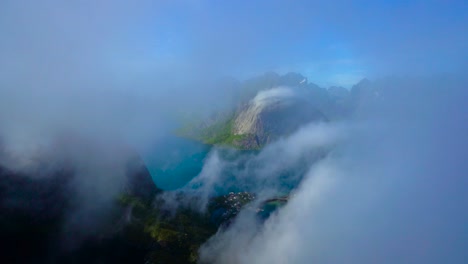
271	106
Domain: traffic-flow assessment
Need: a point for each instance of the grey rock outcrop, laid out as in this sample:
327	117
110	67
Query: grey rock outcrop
272	114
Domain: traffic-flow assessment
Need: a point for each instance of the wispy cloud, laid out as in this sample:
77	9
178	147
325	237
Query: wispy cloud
391	192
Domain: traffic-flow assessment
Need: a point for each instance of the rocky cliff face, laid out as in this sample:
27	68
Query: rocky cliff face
271	114
271	106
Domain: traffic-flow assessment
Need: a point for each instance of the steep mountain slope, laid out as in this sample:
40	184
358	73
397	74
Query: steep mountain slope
271	114
271	106
37	209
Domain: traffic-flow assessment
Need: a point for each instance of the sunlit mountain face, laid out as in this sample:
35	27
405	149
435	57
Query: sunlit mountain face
243	132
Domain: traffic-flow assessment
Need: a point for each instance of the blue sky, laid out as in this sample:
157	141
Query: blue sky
331	43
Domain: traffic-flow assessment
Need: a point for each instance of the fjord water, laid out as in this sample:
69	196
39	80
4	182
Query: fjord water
174	161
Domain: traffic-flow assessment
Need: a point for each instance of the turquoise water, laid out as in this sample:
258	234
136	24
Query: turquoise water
174	161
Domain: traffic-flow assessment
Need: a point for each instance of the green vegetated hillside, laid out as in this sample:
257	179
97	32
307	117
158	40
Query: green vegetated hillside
271	106
175	235
138	228
217	132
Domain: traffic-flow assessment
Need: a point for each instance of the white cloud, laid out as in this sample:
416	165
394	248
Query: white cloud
392	192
